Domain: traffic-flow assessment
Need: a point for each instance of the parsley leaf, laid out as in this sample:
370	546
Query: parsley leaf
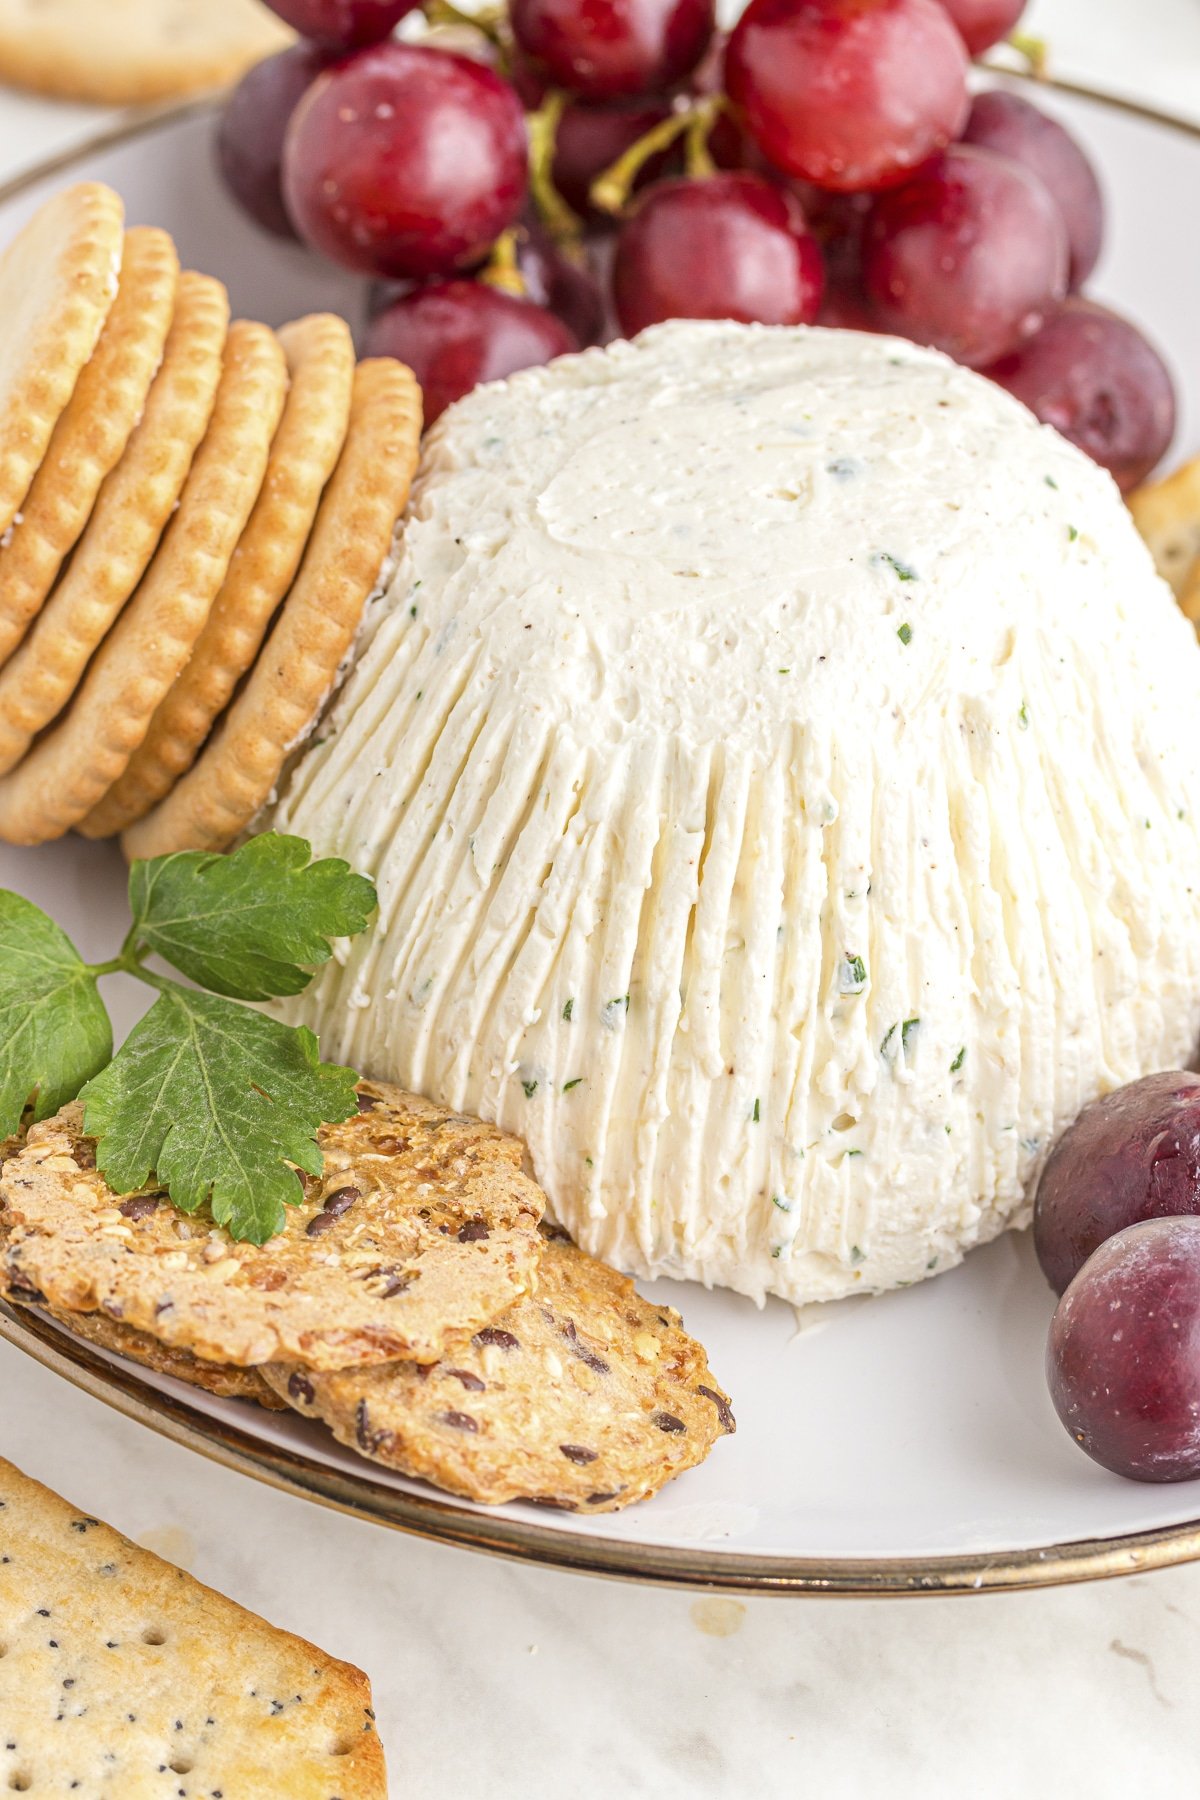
54	1031
215	1100
243	924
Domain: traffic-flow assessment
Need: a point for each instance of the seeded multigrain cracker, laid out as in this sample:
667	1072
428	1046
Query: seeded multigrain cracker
92	432
214	1378
70	769
123	1677
234	775
320	358
122	52
131	513
583	1396
1167	513
58	279
422	1223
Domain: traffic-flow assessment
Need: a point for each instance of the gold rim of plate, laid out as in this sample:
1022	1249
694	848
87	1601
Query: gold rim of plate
427	1515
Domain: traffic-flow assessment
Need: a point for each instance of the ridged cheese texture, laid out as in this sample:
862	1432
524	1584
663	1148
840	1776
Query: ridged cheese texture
780	764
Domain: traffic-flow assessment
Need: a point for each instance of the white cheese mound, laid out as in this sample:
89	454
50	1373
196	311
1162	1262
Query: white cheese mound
779	763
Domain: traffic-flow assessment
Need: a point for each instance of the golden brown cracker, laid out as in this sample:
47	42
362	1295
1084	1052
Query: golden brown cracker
109	398
583	1396
422	1223
320	356
1189	596
297	667
58	279
122	1676
1167	513
75	763
139	1347
123	52
131	513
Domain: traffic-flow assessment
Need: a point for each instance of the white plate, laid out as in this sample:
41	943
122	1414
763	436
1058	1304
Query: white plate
894	1444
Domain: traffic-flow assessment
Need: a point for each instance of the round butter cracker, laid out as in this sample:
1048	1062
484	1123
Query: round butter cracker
131	513
71	768
320	358
583	1396
422	1223
91	435
124	52
234	775
58	279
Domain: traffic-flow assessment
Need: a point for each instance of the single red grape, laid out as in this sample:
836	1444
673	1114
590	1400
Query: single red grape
1123	1360
405	161
460	333
1014	127
250	132
529	82
984	22
609	49
848	93
343	24
971	256
845	309
1133	1155
1094	377
560	283
589	140
730	247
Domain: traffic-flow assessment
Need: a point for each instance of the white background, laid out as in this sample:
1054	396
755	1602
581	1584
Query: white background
498	1682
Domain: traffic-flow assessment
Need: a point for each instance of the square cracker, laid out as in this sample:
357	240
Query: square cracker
122	1678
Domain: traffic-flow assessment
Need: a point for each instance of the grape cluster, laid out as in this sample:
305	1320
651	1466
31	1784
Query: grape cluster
823	162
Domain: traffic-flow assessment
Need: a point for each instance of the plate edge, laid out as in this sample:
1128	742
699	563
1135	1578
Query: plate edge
1051	1565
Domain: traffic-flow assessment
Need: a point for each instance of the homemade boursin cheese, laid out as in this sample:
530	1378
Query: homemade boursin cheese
780	765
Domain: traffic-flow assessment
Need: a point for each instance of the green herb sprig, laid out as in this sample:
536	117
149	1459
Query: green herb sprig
219	1103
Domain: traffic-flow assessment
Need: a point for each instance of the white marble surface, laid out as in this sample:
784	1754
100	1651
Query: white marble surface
496	1682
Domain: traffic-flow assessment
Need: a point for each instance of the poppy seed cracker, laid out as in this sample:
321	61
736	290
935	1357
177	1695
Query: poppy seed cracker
123	1676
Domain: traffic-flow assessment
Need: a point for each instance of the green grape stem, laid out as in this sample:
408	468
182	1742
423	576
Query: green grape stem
611	190
560	220
503	270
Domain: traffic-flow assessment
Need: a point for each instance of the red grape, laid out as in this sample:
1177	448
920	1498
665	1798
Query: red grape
343	24
405	161
461	333
971	256
589	140
1123	1360
1014	127
607	49
251	129
1094	377
730	247
848	93
984	22
1135	1154
844	308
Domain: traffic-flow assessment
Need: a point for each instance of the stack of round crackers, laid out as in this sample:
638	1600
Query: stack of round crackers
416	1303
193	514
